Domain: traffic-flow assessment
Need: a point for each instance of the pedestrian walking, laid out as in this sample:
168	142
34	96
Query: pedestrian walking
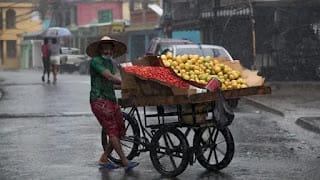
45	59
103	99
55	51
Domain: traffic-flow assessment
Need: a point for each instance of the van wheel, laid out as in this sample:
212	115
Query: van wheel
84	68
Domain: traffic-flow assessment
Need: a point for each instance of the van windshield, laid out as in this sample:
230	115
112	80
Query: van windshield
221	53
66	50
205	51
193	50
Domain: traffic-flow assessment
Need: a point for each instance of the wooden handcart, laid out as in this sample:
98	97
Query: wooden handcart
178	130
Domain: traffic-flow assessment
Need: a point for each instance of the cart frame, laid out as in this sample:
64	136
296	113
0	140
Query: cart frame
171	139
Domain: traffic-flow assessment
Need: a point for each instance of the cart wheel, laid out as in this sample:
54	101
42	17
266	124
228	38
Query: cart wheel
214	148
169	152
233	103
129	143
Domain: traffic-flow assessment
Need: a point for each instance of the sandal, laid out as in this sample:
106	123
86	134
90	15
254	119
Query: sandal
108	165
131	165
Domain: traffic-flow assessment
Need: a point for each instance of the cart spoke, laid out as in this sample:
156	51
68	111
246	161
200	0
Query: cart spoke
209	156
209	142
215	137
170	141
126	145
176	155
128	139
166	137
127	127
209	145
161	154
219	150
216	156
174	152
211	131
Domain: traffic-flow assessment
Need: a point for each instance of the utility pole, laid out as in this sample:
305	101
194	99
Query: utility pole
253	30
167	18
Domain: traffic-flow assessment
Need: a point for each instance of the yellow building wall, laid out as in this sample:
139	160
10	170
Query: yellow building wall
24	24
126	10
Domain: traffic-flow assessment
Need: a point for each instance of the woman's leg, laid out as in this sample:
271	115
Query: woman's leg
48	68
56	72
109	115
44	68
115	141
106	153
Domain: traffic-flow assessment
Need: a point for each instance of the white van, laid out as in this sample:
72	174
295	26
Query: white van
200	49
70	59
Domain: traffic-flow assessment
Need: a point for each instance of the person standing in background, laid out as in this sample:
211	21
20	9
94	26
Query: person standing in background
45	59
54	57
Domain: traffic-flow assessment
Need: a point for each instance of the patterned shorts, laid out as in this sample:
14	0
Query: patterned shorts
109	116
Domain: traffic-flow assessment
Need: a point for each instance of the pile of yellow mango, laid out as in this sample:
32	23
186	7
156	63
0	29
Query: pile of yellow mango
200	69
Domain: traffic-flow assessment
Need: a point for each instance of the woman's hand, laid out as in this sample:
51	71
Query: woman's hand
117	86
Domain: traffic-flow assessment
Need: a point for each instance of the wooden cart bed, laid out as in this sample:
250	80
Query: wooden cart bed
192	99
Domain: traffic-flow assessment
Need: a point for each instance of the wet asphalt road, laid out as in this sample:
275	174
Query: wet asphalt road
48	132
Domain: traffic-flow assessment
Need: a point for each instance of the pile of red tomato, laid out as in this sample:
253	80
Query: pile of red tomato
161	74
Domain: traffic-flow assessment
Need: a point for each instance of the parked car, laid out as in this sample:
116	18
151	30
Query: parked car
71	59
158	45
203	50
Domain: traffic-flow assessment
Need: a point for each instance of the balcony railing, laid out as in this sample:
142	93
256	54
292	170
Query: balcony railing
225	12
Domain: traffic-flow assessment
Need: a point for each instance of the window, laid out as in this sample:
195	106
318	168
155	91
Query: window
105	16
11	49
137	6
10	19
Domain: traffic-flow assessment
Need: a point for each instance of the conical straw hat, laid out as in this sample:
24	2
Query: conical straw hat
119	47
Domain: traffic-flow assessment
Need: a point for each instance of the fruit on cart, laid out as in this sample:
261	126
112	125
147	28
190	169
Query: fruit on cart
160	74
200	69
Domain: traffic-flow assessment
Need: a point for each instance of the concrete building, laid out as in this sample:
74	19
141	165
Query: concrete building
16	19
280	38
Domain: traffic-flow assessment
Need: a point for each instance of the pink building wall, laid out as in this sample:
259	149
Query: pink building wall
87	12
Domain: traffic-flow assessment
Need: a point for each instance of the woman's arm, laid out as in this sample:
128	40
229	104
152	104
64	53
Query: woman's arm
107	74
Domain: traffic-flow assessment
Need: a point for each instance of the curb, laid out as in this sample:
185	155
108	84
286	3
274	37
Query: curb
40	115
263	106
309	123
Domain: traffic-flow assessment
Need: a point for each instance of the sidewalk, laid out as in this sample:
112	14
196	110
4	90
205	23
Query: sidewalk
291	100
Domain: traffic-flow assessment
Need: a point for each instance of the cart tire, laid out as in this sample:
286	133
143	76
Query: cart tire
214	148
129	143
169	152
233	103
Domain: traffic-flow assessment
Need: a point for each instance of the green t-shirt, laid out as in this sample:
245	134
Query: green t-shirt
101	88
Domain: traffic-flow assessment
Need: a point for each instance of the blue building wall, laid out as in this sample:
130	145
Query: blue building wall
190	35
